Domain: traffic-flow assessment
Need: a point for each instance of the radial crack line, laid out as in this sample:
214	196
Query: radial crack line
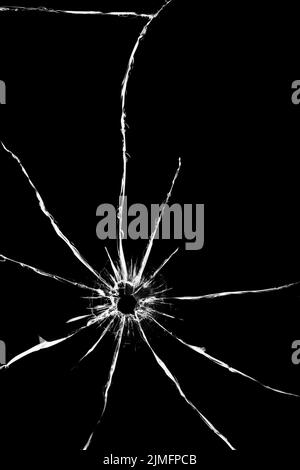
43	345
150	244
110	377
147	281
239	292
157	312
176	383
202	351
121	14
124	137
116	272
45	274
49	216
81	317
120	222
163	265
98	341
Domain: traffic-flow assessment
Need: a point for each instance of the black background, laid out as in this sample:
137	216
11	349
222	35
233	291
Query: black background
207	86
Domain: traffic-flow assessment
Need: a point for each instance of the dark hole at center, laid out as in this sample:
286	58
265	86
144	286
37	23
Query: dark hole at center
127	304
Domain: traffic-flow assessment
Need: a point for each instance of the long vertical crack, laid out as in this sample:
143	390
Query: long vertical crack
124	136
110	378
